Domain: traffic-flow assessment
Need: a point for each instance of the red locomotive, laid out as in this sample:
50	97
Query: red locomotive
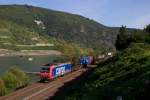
51	71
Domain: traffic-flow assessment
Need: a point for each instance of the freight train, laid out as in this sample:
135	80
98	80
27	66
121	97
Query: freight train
86	60
51	71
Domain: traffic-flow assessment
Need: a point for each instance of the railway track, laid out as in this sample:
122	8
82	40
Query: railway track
41	91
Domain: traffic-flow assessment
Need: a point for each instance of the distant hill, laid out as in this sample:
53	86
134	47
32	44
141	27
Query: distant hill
23	24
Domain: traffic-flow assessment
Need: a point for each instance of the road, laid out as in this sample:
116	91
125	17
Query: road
41	91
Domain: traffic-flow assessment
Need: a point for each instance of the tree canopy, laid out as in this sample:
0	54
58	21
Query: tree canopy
122	40
147	29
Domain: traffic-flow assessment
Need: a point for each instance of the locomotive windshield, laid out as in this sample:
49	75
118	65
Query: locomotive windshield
45	69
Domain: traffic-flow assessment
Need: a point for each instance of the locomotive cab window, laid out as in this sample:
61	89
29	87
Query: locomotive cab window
45	69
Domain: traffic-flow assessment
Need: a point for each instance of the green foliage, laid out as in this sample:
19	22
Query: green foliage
72	51
12	34
125	38
3	89
12	79
20	23
147	39
20	75
122	40
138	36
126	75
147	29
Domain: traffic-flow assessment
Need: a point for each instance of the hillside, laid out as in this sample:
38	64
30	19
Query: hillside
124	77
23	24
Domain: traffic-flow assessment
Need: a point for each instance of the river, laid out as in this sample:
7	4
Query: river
26	63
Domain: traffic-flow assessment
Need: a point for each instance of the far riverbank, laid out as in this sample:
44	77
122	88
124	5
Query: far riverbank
5	52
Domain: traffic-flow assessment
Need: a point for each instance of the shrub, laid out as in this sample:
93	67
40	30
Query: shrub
20	75
15	78
3	89
10	80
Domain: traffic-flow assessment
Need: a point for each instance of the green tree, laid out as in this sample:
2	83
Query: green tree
122	40
138	36
147	29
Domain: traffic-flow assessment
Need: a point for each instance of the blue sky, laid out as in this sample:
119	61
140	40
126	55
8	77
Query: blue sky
132	13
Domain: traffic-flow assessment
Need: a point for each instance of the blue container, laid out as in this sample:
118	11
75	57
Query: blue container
61	69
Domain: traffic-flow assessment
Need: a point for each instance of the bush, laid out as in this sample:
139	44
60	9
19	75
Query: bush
15	78
3	89
10	80
138	36
20	75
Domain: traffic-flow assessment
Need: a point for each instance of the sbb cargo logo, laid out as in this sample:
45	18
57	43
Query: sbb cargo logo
60	71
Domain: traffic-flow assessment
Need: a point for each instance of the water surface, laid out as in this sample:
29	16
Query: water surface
25	64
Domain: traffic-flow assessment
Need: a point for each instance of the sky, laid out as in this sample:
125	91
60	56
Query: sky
132	13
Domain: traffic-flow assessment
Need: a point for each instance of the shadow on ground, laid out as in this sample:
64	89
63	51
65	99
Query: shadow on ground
70	86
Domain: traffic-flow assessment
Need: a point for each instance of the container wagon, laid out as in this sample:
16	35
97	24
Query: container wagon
86	60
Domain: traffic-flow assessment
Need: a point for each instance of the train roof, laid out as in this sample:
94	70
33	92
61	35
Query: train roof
55	64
